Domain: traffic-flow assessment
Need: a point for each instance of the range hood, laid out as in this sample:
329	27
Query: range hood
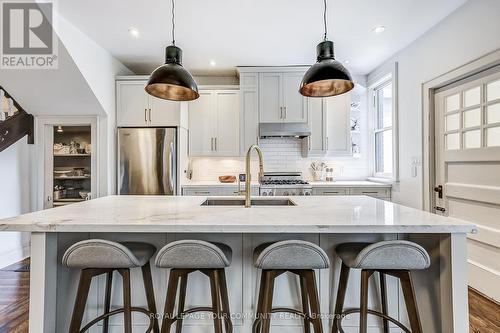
279	130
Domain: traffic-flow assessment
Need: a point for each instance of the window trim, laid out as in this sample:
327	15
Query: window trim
381	80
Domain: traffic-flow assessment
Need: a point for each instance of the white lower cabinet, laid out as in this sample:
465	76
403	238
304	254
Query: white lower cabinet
376	192
214	120
216	190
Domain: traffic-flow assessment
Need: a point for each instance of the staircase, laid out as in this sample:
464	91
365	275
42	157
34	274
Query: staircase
15	123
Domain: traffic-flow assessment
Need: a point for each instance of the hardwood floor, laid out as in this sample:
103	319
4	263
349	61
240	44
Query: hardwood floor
14	304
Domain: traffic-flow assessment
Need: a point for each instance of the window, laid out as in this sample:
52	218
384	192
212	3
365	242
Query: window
383	132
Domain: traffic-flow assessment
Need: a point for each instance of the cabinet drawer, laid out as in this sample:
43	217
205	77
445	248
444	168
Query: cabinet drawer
372	192
331	191
201	191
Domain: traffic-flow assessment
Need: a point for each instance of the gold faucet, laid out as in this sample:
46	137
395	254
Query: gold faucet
248	202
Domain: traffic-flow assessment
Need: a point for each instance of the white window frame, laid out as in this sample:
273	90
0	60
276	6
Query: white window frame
388	76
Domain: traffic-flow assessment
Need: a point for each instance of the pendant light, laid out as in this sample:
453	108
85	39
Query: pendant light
327	77
172	81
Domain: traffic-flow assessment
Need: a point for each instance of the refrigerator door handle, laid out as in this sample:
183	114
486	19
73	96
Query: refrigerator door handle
171	168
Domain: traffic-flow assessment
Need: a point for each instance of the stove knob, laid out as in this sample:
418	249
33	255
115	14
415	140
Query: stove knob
264	194
285	193
271	193
307	193
292	193
301	193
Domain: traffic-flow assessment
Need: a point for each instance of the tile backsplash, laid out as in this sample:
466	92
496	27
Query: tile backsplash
280	154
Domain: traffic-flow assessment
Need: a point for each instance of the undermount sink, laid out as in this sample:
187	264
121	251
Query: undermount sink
241	202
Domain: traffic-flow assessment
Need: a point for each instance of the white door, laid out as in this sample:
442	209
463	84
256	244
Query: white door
338	111
164	112
201	125
294	104
467	146
227	139
133	104
270	107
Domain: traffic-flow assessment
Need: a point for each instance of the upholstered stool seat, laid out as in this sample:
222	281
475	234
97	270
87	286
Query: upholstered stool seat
297	257
98	256
185	257
393	254
394	257
194	254
290	254
99	253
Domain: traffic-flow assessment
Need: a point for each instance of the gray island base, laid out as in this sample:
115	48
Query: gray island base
327	221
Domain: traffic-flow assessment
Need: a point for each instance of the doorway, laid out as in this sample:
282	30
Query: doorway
466	165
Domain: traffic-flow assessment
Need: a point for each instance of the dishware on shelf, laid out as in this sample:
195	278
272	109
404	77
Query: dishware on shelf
80	151
84	194
62	173
60	149
88	148
227	179
78	172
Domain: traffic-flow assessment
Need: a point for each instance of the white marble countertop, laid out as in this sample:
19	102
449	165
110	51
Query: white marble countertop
212	183
350	183
315	214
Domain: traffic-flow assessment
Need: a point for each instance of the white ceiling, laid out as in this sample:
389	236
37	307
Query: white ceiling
254	32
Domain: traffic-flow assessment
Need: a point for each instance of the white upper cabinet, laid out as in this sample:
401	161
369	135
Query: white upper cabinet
329	121
135	107
294	104
338	131
279	98
214	124
270	87
249	104
201	129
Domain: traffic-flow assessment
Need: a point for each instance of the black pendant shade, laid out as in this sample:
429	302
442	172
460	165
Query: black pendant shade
172	81
327	77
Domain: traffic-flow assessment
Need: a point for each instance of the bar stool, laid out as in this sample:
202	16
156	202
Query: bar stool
396	258
185	257
95	257
300	258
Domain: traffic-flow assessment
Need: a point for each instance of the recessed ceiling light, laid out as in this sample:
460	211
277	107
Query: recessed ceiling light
134	32
379	29
59	129
346	62
212	63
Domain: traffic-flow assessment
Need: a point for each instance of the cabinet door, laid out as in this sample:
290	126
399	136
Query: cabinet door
270	106
338	124
249	104
132	102
315	144
227	138
201	125
295	105
164	112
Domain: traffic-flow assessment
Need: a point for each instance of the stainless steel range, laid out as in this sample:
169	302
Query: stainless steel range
284	184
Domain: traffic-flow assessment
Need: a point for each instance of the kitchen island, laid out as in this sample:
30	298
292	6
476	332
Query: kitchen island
327	221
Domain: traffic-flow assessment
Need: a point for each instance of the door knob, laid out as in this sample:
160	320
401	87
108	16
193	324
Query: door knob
439	190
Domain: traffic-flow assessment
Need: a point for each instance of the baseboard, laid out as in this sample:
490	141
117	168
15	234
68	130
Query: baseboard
484	280
11	257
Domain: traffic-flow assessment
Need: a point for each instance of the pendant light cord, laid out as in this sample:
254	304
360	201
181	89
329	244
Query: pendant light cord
324	20
173	22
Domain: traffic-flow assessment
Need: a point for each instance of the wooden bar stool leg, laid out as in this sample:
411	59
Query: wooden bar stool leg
216	306
339	302
81	300
107	301
305	302
363	314
257	324
127	301
268	300
312	291
225	301
168	311
182	302
383	298
150	295
411	301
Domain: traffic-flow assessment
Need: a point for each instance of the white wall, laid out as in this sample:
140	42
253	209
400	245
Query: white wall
14	199
468	33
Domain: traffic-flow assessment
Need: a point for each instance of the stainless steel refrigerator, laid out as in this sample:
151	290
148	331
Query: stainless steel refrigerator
147	161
